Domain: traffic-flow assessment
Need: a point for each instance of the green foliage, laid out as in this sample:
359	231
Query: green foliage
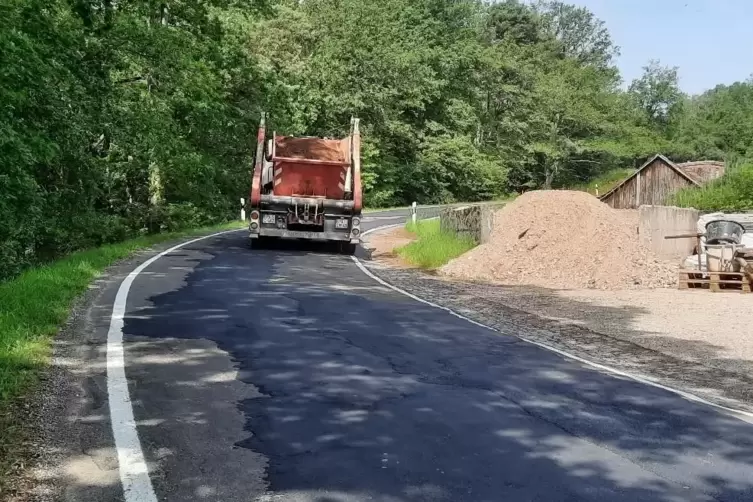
603	182
120	119
731	192
451	169
432	247
582	36
718	123
657	93
115	121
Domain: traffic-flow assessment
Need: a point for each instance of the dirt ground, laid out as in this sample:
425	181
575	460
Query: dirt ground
383	244
693	325
715	328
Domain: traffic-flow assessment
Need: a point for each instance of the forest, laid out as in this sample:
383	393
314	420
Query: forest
125	117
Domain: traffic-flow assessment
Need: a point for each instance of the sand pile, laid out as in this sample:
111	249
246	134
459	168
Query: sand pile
564	240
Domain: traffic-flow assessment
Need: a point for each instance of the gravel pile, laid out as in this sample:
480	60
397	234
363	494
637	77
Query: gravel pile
564	240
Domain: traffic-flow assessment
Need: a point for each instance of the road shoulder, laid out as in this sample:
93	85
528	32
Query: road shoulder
722	381
69	454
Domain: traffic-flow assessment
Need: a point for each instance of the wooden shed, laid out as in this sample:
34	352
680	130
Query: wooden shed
658	179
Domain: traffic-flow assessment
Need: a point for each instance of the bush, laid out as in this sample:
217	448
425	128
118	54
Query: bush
186	215
731	192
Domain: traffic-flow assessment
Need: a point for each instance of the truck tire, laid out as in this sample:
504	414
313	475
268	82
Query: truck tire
347	248
258	243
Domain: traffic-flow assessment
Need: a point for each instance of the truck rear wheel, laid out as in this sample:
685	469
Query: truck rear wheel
348	248
259	243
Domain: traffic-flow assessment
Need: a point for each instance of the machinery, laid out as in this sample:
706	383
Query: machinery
306	188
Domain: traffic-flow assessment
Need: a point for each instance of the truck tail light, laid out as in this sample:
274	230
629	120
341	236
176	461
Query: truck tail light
356	222
254	215
355	232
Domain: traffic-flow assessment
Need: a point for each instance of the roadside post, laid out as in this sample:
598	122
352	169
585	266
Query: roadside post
413	213
243	209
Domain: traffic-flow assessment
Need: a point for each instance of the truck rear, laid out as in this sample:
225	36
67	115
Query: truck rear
307	188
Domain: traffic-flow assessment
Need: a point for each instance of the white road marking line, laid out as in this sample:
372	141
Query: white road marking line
132	466
134	472
743	415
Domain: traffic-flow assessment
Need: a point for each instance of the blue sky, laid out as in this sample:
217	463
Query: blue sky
711	41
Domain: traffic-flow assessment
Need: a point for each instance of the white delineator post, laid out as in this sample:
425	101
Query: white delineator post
413	212
243	209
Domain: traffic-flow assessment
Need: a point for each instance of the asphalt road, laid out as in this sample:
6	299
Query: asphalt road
290	375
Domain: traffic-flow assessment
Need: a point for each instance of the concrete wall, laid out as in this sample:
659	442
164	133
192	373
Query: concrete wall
475	221
657	222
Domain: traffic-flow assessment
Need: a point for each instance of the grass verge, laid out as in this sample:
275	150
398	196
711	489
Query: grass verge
432	247
604	182
377	209
731	192
34	306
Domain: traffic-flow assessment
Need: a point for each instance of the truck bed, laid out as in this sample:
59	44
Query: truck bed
310	167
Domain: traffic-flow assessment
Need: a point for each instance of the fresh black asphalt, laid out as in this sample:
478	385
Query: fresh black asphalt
290	375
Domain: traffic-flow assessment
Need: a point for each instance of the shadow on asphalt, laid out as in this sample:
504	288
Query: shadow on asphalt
365	395
309	247
704	367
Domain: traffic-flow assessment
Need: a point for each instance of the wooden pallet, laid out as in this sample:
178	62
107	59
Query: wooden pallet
716	281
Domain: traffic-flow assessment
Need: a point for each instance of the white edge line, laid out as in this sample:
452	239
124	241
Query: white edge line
134	472
132	465
743	415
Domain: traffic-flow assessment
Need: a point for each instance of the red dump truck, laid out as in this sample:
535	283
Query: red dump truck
306	188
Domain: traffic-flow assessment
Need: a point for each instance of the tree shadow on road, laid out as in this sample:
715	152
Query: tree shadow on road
577	327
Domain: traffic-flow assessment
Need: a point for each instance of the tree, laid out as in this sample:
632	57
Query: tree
572	103
582	36
514	22
125	117
657	93
717	123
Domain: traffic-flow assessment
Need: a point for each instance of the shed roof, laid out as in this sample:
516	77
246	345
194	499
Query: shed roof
658	156
703	171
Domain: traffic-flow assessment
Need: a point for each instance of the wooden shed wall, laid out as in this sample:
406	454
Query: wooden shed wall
652	185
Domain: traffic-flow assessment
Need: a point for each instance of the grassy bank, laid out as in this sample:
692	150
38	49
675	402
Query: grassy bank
34	306
432	247
731	192
604	182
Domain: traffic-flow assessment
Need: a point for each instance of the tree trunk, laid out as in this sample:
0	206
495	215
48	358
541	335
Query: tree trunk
550	173
552	166
548	180
155	185
109	9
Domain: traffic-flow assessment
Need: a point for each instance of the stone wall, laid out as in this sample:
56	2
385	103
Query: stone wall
658	222
475	221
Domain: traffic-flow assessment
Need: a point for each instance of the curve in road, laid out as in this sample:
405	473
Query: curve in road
290	375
